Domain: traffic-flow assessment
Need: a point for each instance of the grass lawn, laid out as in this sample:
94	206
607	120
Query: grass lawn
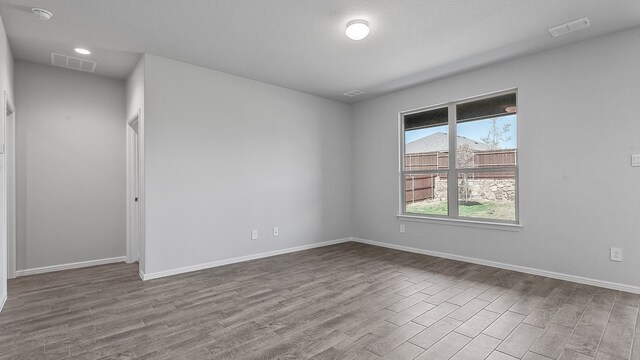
499	210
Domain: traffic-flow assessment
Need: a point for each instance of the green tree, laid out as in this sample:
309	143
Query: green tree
497	135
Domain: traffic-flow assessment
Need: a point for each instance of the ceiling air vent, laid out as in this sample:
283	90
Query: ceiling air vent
570	27
73	63
353	93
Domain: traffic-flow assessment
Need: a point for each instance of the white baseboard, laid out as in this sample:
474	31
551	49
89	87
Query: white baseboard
81	264
3	300
141	274
522	269
213	264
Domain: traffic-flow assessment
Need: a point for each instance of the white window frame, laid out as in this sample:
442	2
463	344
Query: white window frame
452	172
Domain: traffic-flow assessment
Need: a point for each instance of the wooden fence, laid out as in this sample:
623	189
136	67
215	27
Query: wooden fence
422	186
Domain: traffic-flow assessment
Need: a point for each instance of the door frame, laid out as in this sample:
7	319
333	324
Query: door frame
9	113
133	199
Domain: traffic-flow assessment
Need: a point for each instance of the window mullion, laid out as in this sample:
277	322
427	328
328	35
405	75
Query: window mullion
452	180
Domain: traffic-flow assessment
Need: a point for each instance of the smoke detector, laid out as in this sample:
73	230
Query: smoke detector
42	14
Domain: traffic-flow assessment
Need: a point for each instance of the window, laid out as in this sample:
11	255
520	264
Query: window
459	160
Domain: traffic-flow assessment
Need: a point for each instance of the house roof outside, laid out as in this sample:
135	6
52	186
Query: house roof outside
440	142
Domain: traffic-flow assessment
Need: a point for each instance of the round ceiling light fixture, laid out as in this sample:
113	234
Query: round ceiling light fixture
82	51
42	14
357	29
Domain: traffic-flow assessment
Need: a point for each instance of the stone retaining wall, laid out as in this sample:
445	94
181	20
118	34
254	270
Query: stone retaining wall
479	189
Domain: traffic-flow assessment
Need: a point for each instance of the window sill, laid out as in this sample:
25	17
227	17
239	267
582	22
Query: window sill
460	222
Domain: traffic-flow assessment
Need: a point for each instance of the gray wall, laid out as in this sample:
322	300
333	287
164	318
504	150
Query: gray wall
6	84
578	126
6	63
225	155
135	89
71	166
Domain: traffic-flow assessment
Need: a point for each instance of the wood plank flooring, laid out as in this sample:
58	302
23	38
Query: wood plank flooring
347	301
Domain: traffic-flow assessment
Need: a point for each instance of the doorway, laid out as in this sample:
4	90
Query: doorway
10	186
133	190
7	193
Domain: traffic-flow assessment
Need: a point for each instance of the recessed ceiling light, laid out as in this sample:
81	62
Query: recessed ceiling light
357	29
42	14
82	51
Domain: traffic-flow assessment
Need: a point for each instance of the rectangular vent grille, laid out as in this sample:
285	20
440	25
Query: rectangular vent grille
73	63
570	27
353	93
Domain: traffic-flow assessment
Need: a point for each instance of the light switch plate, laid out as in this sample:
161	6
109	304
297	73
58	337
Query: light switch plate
254	234
402	229
635	160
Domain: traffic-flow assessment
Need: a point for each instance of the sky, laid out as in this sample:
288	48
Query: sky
474	130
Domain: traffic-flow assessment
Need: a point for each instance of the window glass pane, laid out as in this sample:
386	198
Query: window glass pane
426	140
426	119
487	195
426	194
486	108
486	157
487	141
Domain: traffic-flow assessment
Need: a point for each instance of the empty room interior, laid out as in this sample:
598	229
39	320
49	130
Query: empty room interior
329	179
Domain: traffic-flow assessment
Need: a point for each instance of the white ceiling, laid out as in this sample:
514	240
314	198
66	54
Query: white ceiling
300	44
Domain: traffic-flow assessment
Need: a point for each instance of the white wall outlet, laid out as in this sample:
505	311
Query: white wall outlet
616	254
276	231
254	234
635	160
402	229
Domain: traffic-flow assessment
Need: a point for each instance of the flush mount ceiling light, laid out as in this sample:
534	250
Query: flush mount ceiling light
511	109
357	29
42	14
82	51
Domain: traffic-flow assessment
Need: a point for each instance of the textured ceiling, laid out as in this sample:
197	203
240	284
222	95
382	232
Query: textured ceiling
300	44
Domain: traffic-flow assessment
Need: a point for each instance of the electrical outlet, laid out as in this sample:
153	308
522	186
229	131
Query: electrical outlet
616	254
254	234
402	229
276	231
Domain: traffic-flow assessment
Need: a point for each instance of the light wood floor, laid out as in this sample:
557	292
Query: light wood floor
348	301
